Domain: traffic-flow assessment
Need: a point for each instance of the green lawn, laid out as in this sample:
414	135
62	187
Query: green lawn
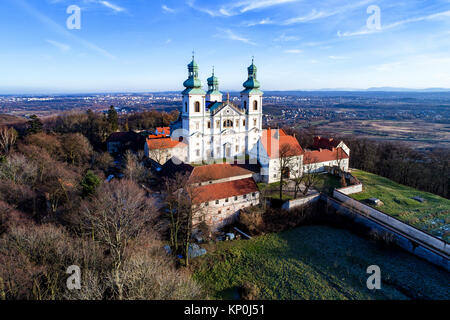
316	262
432	216
327	183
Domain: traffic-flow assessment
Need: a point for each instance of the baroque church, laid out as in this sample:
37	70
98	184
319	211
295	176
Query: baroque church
213	128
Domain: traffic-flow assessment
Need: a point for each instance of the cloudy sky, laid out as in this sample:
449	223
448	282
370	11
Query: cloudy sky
143	45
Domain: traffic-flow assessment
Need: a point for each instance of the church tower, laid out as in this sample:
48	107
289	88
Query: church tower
213	94
193	95
251	102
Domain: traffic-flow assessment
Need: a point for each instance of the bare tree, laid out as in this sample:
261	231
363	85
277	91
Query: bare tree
158	152
287	163
118	213
310	173
183	204
134	169
8	137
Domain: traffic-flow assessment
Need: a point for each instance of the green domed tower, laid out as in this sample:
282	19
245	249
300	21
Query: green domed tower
193	95
251	96
213	93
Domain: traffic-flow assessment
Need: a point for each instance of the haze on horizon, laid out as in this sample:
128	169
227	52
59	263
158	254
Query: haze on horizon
143	46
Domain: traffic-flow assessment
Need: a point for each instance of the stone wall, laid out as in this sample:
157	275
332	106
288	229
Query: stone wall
408	230
288	205
351	189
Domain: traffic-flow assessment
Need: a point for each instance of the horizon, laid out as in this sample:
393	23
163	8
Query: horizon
124	47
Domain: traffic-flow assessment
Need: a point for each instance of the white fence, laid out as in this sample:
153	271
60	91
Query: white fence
396	224
351	189
288	205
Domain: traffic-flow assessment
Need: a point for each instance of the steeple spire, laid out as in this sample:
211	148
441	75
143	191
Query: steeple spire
251	83
213	93
193	83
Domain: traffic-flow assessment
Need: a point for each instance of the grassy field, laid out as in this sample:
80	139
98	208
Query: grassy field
432	216
317	262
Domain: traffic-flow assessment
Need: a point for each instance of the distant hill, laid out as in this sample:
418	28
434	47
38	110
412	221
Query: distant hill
6	119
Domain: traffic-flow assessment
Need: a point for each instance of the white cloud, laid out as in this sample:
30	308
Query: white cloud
236	8
229	34
320	14
259	22
337	57
61	46
296	51
111	6
167	9
434	16
284	38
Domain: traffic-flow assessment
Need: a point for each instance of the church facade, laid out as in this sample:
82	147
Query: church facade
214	128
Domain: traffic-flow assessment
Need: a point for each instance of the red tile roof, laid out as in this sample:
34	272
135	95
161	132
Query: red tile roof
216	172
163	143
322	155
273	138
224	190
325	143
163	130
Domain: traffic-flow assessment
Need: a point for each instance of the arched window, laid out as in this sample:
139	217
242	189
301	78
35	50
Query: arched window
209	124
185	107
197	106
228	124
255	105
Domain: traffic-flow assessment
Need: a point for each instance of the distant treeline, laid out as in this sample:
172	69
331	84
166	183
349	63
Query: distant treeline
424	170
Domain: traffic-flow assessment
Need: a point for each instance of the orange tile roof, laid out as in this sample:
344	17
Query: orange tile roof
325	143
322	155
163	143
270	138
217	171
224	190
163	130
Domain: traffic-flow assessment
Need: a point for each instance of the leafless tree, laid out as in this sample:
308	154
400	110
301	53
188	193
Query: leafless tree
118	213
8	137
310	173
286	164
134	169
158	153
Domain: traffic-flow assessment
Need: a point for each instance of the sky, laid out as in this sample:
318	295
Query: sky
145	45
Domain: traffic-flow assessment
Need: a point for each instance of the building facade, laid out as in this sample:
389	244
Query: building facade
216	129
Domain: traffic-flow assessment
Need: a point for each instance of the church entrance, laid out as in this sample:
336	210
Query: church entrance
227	150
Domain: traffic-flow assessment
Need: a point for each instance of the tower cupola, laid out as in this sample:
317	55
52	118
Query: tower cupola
193	84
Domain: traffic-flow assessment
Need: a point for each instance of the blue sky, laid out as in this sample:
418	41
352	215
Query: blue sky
143	45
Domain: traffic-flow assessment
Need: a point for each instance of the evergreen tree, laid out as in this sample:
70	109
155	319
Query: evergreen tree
34	125
89	183
113	119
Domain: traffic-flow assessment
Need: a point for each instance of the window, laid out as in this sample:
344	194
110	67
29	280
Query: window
228	124
255	105
235	198
245	104
197	152
253	194
243	123
185	107
237	148
217	201
245	196
206	204
218	124
254	122
197	125
226	200
197	106
209	124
